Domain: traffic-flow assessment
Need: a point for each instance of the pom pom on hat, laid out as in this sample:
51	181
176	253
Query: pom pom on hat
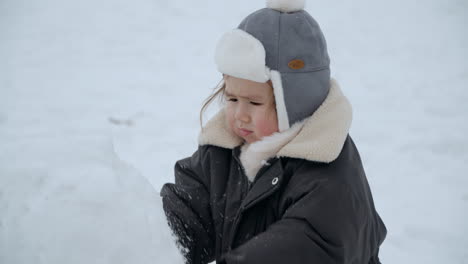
286	6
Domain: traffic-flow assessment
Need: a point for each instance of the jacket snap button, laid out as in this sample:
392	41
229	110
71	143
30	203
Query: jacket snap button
274	181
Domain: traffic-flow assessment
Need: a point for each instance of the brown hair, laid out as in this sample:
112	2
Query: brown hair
218	92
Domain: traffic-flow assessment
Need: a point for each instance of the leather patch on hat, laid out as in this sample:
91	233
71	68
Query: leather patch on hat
296	64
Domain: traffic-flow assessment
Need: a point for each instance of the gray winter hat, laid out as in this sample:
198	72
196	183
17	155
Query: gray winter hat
284	44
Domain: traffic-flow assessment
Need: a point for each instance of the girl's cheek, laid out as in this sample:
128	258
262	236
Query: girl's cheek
272	122
228	118
268	123
231	122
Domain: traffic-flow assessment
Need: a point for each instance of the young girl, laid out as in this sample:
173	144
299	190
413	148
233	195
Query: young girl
276	177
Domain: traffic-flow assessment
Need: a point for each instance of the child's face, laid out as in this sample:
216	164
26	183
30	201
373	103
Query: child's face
250	109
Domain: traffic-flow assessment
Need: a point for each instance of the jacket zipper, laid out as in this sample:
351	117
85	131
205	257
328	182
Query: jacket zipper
241	209
245	207
235	227
244	194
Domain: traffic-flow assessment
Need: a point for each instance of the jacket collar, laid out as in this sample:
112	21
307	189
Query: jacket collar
318	138
256	155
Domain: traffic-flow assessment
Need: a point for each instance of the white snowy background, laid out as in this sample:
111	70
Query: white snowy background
99	98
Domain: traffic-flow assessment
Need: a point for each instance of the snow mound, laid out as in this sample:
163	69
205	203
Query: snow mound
73	201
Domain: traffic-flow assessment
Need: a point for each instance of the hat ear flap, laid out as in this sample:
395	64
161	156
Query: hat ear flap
281	111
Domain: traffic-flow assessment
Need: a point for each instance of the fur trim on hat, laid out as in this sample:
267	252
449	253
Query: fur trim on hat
286	6
241	55
321	138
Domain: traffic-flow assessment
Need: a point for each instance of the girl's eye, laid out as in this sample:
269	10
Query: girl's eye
232	99
255	103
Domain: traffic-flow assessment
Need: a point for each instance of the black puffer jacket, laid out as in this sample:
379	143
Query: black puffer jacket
297	210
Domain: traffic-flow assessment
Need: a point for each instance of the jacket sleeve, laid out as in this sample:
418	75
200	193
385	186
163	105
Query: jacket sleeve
325	226
187	207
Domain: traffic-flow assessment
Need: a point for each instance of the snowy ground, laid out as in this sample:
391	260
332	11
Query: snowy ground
98	99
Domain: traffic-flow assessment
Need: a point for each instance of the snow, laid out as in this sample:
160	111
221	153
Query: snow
71	200
98	99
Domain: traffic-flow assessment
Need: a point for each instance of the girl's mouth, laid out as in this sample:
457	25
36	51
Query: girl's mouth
244	132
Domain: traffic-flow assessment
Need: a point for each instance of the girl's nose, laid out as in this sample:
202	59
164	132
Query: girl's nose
242	114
